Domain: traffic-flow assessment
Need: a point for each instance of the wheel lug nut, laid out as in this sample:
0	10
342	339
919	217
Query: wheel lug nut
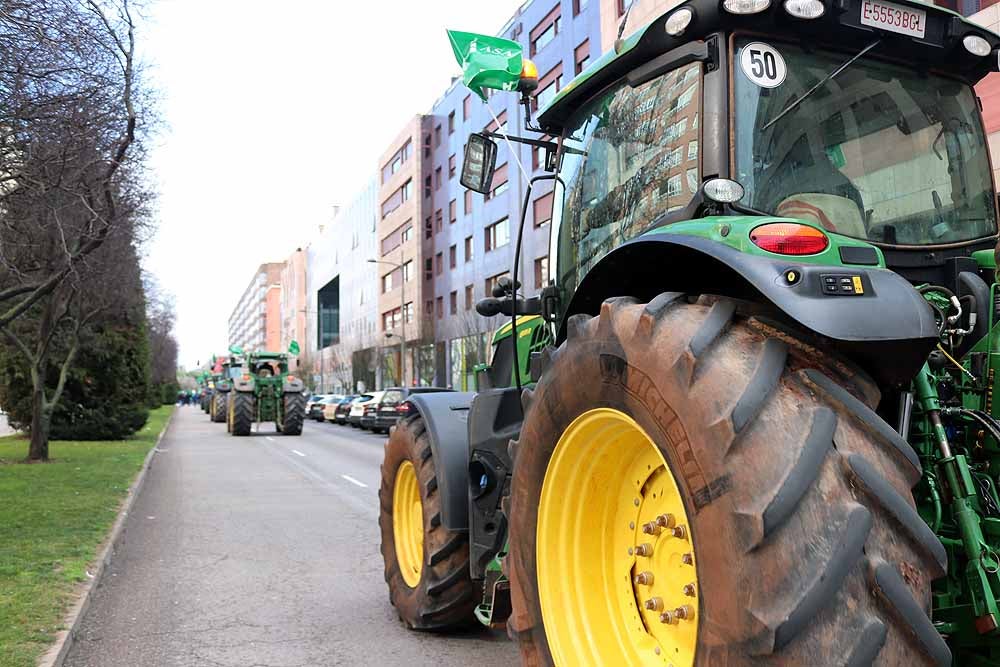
665	521
684	612
668	617
679	532
687	559
644	579
644	549
651	528
689	590
654	604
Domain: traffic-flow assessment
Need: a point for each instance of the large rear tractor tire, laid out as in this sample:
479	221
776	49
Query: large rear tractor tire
242	413
426	565
219	407
692	487
294	414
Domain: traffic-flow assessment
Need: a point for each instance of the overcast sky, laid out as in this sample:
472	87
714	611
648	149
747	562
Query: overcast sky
274	113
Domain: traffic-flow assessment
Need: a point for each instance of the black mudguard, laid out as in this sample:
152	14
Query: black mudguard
446	415
889	329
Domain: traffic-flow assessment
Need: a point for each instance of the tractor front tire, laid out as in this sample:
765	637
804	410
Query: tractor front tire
426	565
696	487
219	407
242	413
294	413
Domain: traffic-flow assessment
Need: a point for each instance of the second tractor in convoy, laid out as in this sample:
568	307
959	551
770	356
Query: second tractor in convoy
265	391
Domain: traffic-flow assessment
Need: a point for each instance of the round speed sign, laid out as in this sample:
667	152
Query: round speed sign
763	65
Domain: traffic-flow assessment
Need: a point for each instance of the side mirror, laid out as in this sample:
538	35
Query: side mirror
479	163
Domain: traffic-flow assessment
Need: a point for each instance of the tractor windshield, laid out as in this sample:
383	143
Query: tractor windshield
879	152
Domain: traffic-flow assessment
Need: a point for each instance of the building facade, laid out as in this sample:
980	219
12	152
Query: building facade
255	323
293	300
472	236
341	343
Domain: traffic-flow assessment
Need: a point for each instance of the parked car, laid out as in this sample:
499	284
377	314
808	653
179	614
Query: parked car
342	408
314	406
358	407
330	405
368	416
393	406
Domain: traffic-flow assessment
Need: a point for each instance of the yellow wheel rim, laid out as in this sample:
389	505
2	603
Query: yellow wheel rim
616	587
408	524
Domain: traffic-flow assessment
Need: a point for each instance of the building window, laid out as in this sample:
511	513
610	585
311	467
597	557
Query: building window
497	235
408	271
428	268
499	181
468	297
541	272
542	209
546	30
452	212
491	282
581	56
673	186
438	264
454	302
395	163
548	86
387	282
440	307
427	187
429	307
451	166
693	149
427	145
622	6
438	221
407	234
451	123
437	136
400	235
579	6
468	248
437	178
494	126
396	199
452	256
428	228
467	107
391	319
468	202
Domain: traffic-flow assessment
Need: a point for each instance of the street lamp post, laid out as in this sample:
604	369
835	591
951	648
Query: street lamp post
402	313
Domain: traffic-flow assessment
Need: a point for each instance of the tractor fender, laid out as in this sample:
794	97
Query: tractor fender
889	329
239	384
446	416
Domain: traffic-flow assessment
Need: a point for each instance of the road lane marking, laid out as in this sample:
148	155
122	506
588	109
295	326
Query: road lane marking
269	438
295	451
354	481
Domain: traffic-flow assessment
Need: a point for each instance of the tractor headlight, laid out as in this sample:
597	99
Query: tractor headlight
976	45
745	6
805	9
678	22
723	190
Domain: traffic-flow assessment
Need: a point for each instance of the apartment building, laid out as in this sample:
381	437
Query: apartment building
293	300
342	343
404	216
255	323
472	236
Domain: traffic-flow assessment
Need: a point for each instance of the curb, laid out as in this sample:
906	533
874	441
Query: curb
55	656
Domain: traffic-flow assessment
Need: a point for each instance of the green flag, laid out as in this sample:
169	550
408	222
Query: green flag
487	62
236	349
293	347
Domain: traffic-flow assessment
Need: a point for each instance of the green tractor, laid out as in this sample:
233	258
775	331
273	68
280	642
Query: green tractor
264	391
229	368
765	430
204	390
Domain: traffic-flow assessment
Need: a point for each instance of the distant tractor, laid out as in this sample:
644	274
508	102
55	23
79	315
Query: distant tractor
229	368
266	392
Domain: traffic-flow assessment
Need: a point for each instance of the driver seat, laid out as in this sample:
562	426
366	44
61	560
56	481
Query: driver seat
831	212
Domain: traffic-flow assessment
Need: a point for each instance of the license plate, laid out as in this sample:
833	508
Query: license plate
893	17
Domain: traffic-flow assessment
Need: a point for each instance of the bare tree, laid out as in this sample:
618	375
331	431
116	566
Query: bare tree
160	318
68	180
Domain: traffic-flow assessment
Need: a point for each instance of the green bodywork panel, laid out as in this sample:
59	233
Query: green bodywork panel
270	374
734	231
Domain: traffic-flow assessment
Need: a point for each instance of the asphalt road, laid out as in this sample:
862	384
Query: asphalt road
260	551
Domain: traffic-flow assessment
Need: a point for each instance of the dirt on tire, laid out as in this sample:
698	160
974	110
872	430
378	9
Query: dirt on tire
808	546
444	598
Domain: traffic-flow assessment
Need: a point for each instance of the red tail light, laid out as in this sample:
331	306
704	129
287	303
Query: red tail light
789	238
403	408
